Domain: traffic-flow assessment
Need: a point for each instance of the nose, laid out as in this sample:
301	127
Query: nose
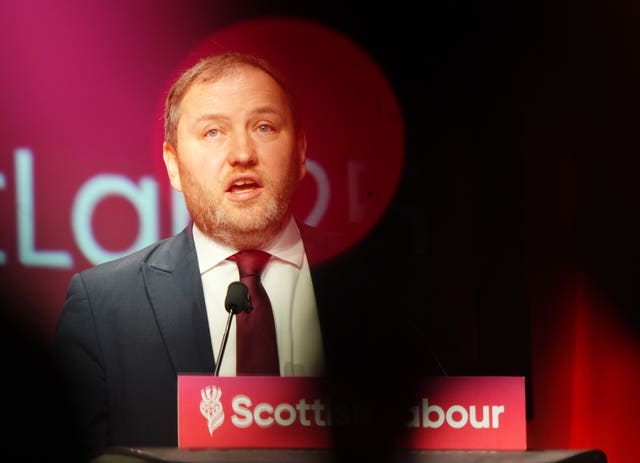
242	150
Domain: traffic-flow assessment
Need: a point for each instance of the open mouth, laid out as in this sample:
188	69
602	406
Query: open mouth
243	188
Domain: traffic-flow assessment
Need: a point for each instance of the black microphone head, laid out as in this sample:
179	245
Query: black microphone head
237	299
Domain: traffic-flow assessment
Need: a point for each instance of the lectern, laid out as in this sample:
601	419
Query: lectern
176	455
290	420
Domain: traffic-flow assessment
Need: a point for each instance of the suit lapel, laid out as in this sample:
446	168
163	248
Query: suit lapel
175	292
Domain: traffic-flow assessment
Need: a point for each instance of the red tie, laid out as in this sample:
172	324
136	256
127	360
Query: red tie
256	347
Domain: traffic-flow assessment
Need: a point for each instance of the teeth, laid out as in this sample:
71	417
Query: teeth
242	182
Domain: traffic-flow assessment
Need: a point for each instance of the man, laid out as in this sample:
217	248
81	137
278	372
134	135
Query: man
234	148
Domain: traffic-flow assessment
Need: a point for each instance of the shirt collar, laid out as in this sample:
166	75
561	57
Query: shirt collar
287	247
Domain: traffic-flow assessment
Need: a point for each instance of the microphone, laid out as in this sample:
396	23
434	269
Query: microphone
237	300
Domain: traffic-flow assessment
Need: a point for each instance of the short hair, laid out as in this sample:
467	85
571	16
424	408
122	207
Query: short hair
212	68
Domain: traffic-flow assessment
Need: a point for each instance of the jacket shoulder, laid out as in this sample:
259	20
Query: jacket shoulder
126	267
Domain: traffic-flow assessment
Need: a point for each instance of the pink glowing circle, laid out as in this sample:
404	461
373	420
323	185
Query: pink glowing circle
348	109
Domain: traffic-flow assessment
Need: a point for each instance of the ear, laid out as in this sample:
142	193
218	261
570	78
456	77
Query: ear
302	153
171	163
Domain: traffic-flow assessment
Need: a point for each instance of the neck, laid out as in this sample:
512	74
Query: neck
256	239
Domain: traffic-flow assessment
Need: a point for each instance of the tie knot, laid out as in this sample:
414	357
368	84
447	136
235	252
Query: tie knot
250	262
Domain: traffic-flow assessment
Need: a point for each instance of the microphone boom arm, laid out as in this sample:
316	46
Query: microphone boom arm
224	343
237	300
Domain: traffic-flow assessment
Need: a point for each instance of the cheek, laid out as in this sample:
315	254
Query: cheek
201	165
199	174
284	166
285	170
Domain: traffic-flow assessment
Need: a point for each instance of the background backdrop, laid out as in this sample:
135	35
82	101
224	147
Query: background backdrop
497	140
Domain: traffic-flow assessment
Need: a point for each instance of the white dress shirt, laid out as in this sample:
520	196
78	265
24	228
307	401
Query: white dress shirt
287	280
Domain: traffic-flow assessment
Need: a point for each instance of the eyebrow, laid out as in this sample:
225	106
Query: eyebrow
268	109
261	110
207	117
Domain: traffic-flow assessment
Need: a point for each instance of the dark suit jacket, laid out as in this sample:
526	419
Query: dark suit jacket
129	326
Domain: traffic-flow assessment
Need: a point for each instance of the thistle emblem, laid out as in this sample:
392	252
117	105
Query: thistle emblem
211	407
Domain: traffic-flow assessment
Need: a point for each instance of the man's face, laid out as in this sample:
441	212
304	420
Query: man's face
238	158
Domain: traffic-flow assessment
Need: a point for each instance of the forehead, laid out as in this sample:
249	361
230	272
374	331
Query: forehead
242	84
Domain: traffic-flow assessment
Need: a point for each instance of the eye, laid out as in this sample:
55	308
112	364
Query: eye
212	133
265	128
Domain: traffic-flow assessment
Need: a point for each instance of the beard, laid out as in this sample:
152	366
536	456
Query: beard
246	225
